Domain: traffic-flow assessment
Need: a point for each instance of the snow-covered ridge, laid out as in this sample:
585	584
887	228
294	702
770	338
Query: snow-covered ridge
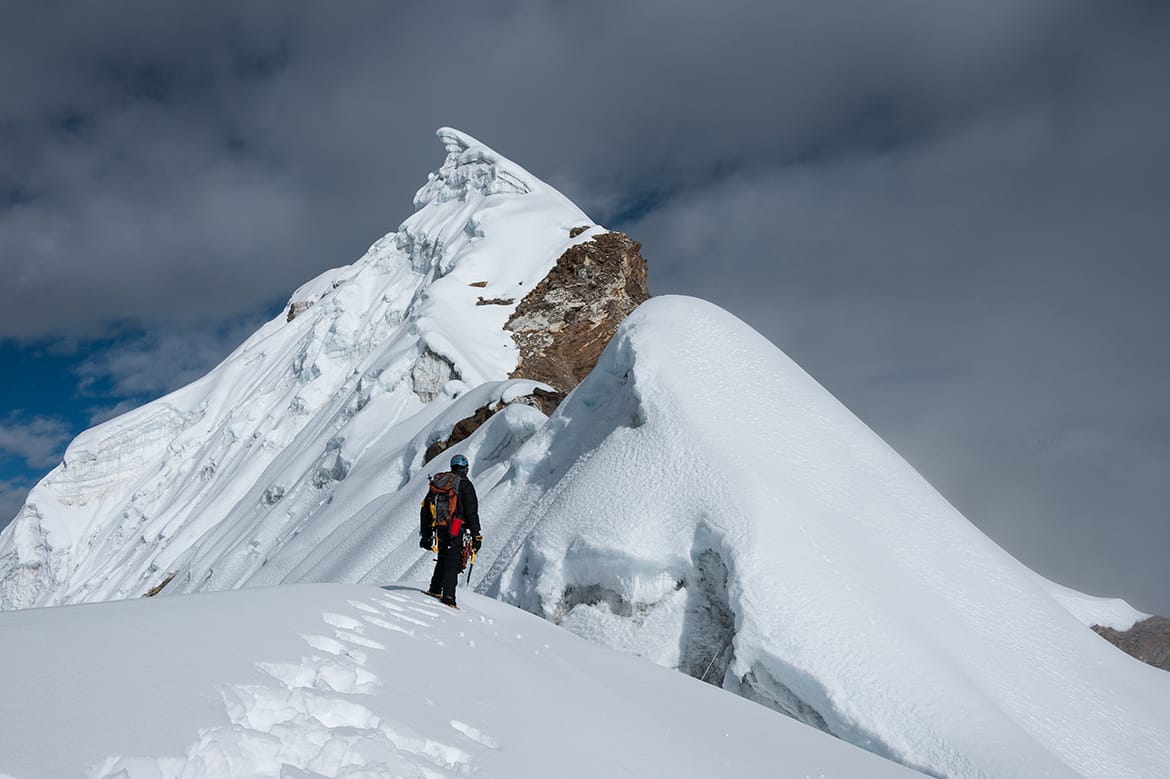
344	681
796	557
747	529
368	352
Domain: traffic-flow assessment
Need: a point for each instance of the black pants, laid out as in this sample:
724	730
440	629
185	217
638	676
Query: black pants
446	575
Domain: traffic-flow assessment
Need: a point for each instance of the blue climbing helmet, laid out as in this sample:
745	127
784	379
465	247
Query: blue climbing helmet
459	461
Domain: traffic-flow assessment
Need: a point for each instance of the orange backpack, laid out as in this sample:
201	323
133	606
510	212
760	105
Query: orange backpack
443	497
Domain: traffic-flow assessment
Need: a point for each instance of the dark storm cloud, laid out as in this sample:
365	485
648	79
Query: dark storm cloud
176	161
951	213
133	203
991	300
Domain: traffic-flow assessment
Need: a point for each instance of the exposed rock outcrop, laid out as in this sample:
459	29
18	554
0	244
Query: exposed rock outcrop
563	325
1148	641
298	307
156	589
542	399
463	428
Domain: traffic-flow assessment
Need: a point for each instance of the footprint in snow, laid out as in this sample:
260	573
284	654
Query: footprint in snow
324	674
425	609
357	604
343	622
335	647
302	723
412	620
360	640
387	625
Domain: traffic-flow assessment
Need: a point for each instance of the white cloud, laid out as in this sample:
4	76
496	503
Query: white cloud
12	495
101	414
155	363
991	302
39	441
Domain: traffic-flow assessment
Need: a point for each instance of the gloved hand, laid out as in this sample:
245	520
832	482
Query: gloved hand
476	542
426	542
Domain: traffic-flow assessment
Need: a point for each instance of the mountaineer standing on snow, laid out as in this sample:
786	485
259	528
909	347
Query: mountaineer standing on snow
449	525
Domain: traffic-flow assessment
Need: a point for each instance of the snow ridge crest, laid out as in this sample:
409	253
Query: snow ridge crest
471	169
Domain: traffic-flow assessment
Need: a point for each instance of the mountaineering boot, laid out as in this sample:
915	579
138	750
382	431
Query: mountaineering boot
448	602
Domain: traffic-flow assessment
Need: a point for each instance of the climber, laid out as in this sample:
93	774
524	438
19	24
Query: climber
449	524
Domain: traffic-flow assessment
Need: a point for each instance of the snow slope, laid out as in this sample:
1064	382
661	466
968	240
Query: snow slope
355	681
746	527
330	409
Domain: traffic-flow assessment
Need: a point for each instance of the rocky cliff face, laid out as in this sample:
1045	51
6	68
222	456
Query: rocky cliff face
563	325
1148	641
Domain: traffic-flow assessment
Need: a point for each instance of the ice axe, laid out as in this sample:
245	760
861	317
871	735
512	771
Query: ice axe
470	565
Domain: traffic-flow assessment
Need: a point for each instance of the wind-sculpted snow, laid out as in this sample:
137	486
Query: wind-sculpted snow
700	500
1104	612
323	412
356	681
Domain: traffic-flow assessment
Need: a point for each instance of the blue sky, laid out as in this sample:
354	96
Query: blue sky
953	215
54	389
51	392
38	391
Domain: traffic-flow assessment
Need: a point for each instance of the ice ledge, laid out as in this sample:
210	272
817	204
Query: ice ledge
1103	612
471	168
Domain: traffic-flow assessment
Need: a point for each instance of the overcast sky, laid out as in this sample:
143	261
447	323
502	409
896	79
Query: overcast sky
955	215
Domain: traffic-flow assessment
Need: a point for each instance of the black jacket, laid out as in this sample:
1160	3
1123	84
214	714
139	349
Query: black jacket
466	506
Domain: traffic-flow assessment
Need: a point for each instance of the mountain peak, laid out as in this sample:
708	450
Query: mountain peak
471	168
364	370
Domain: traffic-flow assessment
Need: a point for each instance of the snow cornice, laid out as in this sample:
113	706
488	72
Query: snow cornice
471	169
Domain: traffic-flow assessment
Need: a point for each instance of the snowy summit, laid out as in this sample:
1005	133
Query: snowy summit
698	500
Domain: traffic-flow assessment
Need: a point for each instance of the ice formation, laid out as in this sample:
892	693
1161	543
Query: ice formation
321	411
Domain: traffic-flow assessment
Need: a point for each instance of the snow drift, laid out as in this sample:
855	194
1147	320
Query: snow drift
702	501
351	681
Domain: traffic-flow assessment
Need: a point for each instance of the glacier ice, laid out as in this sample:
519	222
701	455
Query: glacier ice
240	463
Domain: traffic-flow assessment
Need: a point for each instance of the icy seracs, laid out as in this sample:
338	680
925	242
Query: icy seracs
698	499
327	407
